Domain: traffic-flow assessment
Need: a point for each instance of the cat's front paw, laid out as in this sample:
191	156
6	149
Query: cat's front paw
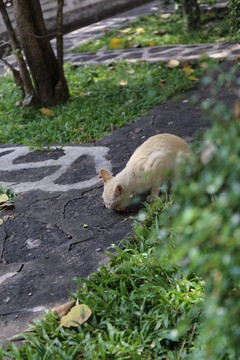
151	198
121	209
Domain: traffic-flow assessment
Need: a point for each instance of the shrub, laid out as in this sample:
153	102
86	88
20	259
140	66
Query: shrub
204	221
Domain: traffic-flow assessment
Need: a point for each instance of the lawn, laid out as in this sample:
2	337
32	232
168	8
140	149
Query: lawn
101	95
160	29
140	310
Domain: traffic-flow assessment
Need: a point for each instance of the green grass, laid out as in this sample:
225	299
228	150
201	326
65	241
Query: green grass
140	309
154	29
101	95
7	191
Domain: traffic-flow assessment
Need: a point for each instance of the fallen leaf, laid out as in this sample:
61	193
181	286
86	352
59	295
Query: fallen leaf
204	64
151	43
125	31
85	226
115	43
46	111
162	82
165	16
160	32
6	205
236	110
3	198
173	63
139	30
193	78
123	82
63	309
77	315
9	217
188	70
1	222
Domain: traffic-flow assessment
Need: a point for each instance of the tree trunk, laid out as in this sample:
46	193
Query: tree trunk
49	81
191	12
21	77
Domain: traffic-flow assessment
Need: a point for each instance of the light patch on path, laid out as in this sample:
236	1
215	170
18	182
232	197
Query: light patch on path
72	153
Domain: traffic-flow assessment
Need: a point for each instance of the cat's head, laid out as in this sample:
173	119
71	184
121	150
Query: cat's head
113	193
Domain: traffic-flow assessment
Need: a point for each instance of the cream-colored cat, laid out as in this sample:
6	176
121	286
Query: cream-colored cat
144	171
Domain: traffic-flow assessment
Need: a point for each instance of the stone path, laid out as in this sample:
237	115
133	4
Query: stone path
59	228
220	50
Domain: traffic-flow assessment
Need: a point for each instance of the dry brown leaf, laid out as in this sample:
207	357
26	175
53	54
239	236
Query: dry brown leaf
151	43
165	16
160	32
125	31
139	30
3	198
162	82
193	78
46	111
236	110
188	70
123	82
6	206
63	309
115	43
173	63
77	315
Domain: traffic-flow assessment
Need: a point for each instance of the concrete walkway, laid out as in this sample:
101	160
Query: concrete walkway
59	228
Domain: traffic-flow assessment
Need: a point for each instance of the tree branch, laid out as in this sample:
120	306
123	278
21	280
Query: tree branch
23	71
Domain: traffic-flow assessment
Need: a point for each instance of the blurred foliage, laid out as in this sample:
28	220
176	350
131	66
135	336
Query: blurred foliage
204	221
234	17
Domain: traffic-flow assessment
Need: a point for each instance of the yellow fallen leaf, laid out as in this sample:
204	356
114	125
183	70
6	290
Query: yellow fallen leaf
63	309
77	315
3	198
193	78
165	16
173	63
115	43
46	111
204	65
85	226
139	30
188	70
125	31
123	82
151	43
1	222
162	82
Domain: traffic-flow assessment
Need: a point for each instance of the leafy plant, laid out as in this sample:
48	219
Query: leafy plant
204	222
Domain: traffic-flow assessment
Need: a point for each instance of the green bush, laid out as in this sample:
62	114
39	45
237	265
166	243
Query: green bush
204	221
234	16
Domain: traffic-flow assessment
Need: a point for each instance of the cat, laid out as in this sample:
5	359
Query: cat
144	171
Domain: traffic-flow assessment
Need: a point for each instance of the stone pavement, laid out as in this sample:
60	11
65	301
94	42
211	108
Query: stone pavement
59	227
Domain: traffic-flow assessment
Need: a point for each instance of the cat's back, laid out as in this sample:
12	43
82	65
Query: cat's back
161	144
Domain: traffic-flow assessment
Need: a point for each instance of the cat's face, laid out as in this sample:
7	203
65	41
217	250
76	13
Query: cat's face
113	194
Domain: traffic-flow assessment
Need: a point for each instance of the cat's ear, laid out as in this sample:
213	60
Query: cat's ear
118	190
105	175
